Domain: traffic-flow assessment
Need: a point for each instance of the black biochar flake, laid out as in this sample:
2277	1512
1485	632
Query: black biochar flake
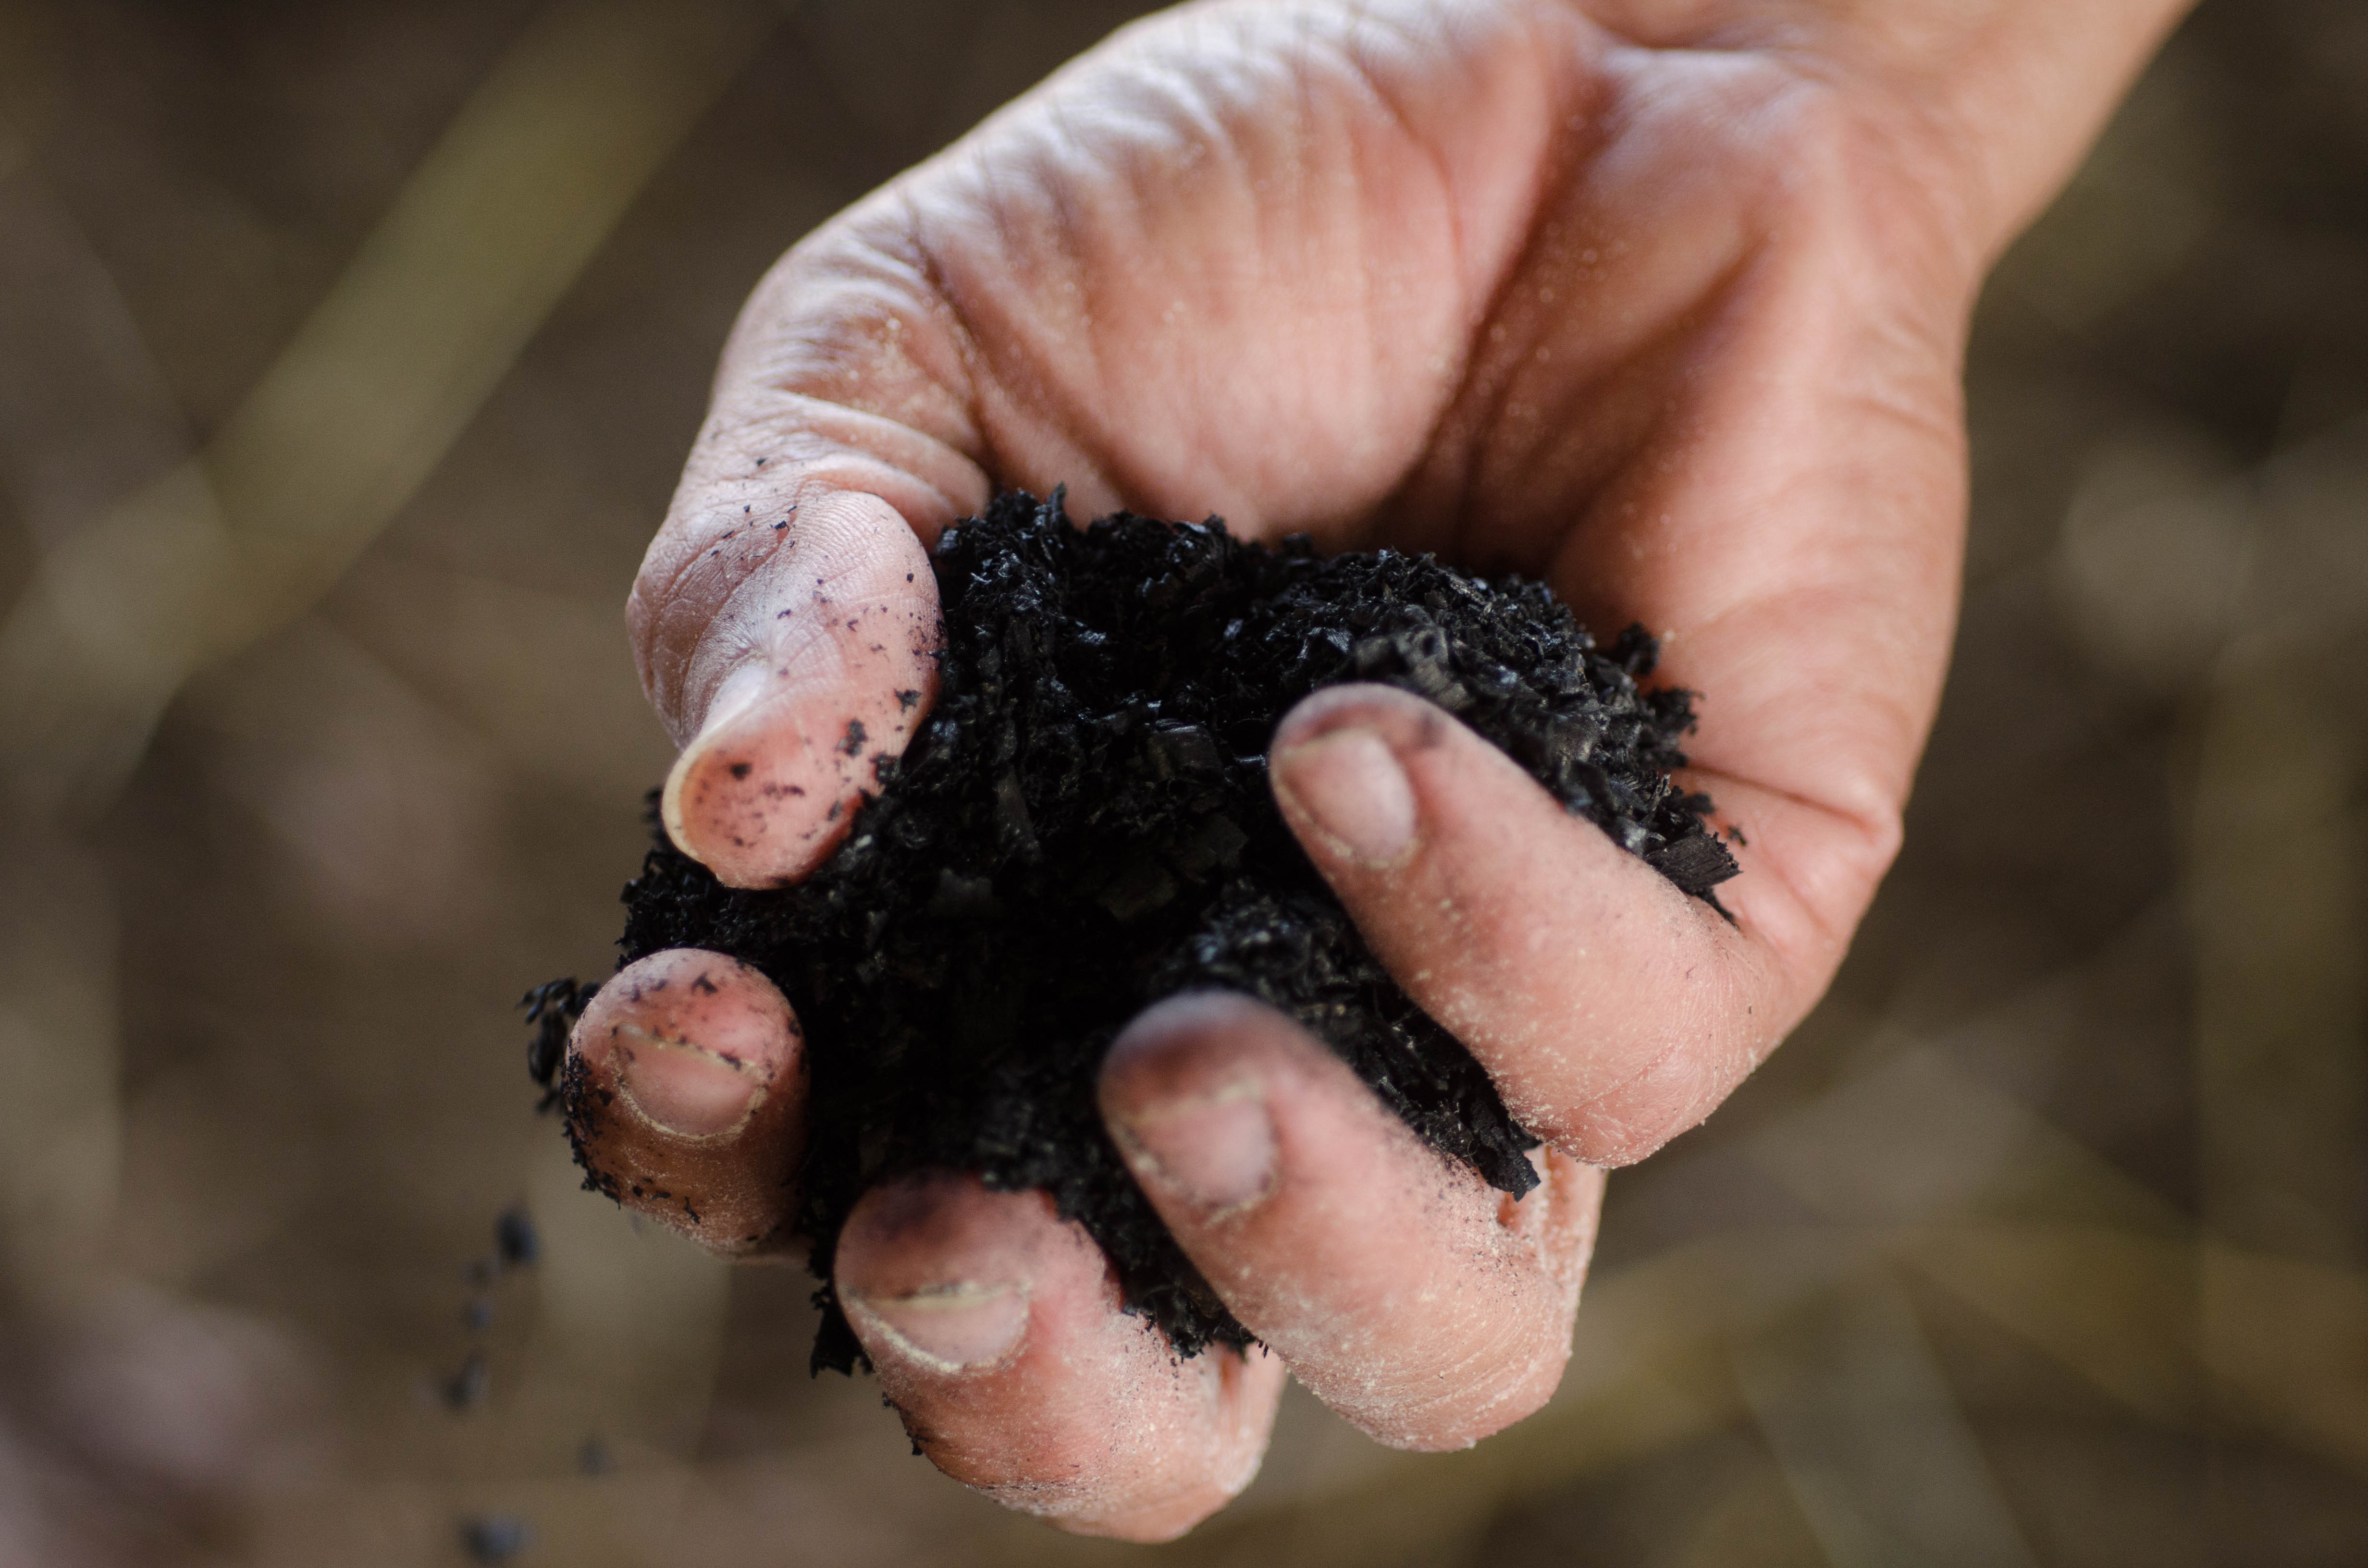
494	1539
516	1241
471	1386
1083	825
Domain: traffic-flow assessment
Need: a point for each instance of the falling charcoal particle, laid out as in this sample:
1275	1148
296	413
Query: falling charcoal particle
469	1388
551	1010
1082	825
478	1314
516	1241
594	1457
494	1538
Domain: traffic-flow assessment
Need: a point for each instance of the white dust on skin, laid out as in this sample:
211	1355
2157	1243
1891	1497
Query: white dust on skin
1157	1446
1090	1420
1425	1307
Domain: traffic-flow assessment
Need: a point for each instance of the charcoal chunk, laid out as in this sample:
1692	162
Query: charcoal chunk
494	1539
517	1242
1697	862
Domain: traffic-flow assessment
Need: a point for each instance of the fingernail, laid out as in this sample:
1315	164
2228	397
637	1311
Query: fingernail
1349	784
1215	1151
752	798
947	1328
683	1089
741	693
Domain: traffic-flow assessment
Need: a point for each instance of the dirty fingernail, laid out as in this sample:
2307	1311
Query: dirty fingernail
721	749
947	1328
1350	785
686	1090
1215	1151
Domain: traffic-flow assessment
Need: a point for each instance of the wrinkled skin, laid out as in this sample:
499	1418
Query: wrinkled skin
1663	302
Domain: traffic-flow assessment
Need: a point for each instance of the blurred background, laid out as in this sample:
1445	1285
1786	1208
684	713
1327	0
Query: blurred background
348	354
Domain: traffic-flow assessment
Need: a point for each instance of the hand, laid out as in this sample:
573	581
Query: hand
1660	300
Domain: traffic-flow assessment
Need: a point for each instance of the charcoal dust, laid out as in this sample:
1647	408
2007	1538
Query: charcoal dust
1083	825
497	1537
471	1386
517	1244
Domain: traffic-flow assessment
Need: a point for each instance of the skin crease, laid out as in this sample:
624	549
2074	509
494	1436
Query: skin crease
1662	301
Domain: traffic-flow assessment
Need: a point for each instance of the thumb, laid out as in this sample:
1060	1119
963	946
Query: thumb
796	651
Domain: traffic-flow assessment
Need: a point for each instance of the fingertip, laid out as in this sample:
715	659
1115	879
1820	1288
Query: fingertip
999	1335
1428	1308
747	798
1185	1093
937	1273
685	1096
918	1230
828	670
1340	773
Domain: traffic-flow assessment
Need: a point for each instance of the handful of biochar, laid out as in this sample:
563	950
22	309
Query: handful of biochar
1082	826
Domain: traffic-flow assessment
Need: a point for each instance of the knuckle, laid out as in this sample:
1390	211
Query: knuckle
1841	165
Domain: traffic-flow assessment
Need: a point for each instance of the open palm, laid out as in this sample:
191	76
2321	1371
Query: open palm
1673	324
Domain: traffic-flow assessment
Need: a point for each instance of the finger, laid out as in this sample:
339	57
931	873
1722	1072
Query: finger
1612	1010
1425	1307
784	618
809	662
998	1335
685	1093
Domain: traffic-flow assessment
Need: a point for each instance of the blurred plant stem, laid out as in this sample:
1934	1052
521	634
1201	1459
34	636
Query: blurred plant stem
129	600
87	403
60	1119
131	595
2272	881
1868	1432
482	242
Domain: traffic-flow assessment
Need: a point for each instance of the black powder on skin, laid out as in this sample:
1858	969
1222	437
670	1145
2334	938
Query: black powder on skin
1084	825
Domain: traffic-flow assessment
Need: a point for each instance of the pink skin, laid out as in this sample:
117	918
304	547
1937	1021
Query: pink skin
1660	300
687	1093
811	663
997	1330
1421	826
1424	1305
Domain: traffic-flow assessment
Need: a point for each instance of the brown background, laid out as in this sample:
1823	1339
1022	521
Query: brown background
2042	1243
